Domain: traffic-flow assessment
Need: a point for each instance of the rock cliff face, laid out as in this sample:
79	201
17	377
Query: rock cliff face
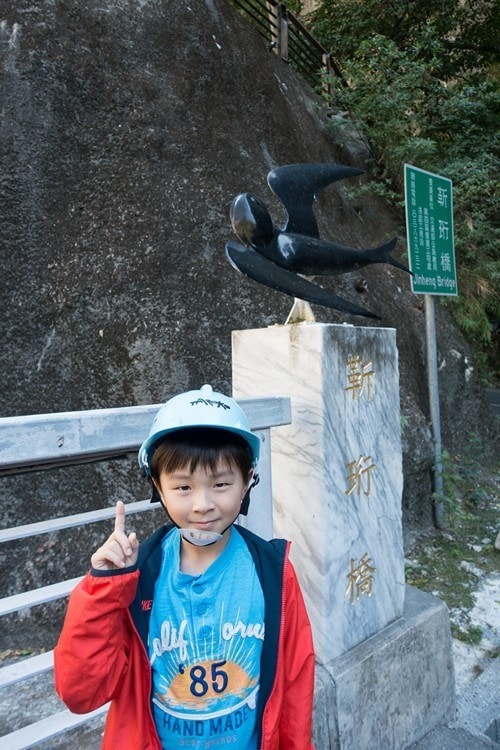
126	129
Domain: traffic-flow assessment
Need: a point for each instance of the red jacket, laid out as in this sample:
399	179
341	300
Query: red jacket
101	655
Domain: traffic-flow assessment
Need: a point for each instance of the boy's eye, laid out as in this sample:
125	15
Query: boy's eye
183	487
220	485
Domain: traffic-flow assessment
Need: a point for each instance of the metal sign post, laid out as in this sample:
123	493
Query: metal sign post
429	227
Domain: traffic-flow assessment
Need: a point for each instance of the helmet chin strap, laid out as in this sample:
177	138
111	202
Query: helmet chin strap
200	538
203	538
246	499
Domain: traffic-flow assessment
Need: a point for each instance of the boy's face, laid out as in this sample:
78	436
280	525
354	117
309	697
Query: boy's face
203	499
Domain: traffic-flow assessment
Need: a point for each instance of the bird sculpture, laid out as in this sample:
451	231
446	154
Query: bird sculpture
280	258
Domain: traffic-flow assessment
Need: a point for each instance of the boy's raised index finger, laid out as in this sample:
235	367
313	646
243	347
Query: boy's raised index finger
120	517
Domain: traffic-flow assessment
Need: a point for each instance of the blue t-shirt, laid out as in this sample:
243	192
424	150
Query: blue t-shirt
205	642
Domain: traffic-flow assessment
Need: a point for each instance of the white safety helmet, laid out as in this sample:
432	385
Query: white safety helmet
203	408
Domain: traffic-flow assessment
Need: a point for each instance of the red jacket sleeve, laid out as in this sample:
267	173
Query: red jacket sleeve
92	652
298	661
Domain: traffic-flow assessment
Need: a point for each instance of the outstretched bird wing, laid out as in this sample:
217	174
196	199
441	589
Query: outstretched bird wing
264	271
296	185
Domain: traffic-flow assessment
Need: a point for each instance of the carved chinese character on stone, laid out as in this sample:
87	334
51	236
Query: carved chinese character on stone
360	375
360	578
359	475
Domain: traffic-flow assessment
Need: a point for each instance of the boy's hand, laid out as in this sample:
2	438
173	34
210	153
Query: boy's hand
119	550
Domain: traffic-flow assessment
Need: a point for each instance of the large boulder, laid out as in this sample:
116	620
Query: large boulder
126	129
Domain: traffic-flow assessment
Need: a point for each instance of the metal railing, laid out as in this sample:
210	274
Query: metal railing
48	441
291	41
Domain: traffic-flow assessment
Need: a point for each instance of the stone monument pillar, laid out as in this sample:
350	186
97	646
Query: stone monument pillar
385	675
337	469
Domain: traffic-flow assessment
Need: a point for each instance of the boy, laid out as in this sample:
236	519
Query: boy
199	637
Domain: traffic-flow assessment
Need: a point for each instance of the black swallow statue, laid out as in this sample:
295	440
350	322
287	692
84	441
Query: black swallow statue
279	258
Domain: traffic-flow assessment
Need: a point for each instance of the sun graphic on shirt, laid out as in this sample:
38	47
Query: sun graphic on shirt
202	685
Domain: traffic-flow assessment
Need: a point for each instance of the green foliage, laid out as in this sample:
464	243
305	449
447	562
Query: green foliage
295	6
473	635
419	89
464	488
458	34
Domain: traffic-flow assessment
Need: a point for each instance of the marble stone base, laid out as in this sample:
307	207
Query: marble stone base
391	690
337	469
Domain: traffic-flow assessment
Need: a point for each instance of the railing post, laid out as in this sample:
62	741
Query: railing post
282	22
287	38
273	26
326	61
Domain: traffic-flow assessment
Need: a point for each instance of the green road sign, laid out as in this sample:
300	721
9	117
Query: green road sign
429	228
